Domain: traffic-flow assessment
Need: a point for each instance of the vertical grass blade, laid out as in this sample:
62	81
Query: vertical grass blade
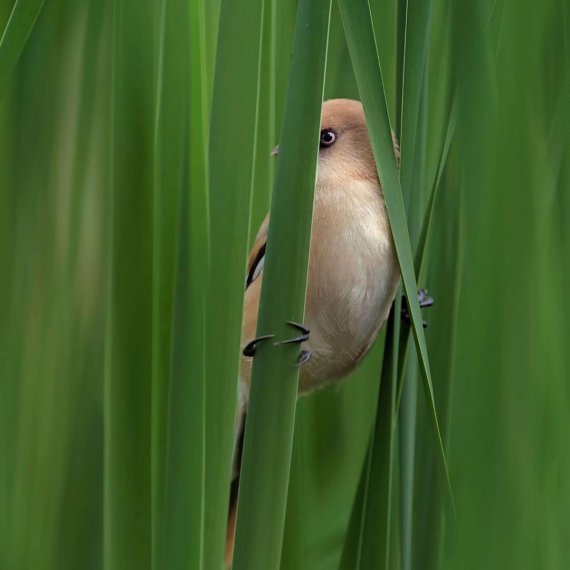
412	138
232	144
407	442
368	538
271	412
15	35
362	45
169	163
445	277
127	500
285	13
401	18
266	134
180	263
339	81
414	62
420	256
182	529
50	358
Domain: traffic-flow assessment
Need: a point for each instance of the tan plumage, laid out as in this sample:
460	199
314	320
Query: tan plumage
353	272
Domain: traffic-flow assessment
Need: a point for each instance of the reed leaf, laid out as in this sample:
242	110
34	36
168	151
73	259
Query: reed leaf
368	538
420	256
429	525
232	146
15	35
271	411
362	45
180	263
414	63
266	135
127	505
412	138
170	139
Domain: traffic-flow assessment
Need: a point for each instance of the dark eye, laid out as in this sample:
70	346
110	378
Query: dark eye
328	137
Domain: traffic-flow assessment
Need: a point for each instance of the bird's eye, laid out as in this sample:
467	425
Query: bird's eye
328	137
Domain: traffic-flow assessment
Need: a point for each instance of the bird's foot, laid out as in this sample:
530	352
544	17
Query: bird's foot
423	299
304	356
298	339
249	348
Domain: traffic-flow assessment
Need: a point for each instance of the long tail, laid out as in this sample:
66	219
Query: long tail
232	511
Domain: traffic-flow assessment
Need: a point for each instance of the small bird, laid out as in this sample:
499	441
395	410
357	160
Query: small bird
353	272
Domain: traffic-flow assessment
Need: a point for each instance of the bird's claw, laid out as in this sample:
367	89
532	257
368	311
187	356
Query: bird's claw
298	339
424	301
249	348
304	356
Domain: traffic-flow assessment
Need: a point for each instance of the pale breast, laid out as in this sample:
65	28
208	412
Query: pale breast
352	281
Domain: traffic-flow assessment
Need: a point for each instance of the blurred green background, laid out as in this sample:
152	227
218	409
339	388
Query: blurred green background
104	226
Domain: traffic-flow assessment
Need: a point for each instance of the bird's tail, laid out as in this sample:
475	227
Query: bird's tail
232	511
231	530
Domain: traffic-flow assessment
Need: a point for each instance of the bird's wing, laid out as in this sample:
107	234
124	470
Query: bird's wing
257	254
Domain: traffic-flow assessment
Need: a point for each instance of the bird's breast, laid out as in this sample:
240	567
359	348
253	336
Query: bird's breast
352	280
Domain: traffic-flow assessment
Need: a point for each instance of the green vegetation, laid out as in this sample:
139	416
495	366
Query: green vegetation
134	172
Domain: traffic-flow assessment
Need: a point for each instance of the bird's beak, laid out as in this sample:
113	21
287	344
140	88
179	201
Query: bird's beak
275	151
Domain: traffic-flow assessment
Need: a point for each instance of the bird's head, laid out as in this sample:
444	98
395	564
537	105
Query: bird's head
345	153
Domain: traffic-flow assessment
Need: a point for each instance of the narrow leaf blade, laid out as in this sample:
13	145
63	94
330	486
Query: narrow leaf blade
362	45
271	412
18	29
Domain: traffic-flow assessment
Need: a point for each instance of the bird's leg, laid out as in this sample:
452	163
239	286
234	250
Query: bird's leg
423	299
249	348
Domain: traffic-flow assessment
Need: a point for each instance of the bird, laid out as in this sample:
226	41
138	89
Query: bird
353	272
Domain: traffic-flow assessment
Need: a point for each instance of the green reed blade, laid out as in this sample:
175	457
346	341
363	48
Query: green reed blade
127	505
15	35
369	533
362	45
271	412
232	146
